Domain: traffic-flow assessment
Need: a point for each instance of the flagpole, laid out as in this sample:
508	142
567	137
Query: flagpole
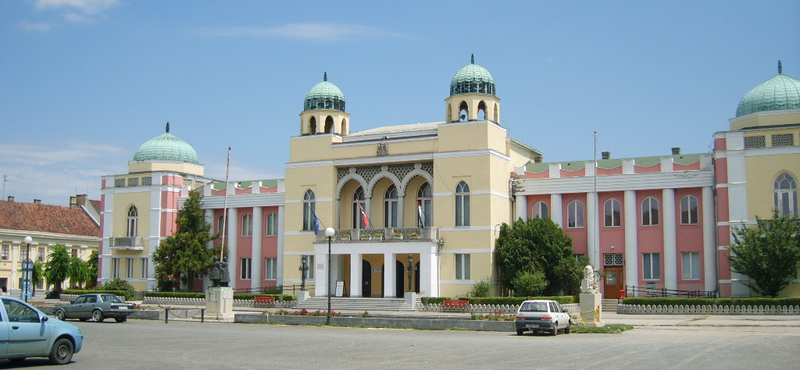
225	209
596	210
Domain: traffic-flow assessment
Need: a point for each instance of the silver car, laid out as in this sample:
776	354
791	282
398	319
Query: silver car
28	332
95	306
548	316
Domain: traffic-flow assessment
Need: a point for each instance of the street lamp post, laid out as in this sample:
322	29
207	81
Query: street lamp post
303	268
411	268
329	233
27	269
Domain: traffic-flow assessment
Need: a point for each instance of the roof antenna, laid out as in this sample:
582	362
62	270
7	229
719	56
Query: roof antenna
167	127
780	68
473	59
325	76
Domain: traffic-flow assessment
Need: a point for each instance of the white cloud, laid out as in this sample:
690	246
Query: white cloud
84	6
303	31
38	26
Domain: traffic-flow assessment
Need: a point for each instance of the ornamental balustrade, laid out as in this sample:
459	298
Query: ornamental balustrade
127	243
707	309
389	234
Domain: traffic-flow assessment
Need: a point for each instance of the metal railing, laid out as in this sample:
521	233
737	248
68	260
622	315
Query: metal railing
389	234
127	243
637	291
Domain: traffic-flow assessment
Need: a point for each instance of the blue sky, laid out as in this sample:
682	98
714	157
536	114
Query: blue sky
83	83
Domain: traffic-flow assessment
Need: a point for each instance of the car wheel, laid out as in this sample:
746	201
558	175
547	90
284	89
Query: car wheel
97	316
62	352
60	315
569	326
520	331
555	329
121	319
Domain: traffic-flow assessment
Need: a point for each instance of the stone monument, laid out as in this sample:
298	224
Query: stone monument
219	297
591	307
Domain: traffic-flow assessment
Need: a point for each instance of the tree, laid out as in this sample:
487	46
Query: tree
537	245
183	256
56	269
93	264
768	253
36	275
79	272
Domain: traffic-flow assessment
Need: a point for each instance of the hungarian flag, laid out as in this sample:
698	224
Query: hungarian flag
363	215
421	218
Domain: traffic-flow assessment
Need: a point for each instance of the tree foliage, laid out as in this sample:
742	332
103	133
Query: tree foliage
93	265
56	270
120	284
183	256
768	253
537	245
79	272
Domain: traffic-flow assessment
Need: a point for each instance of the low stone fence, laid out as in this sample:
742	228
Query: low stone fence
195	301
573	308
707	309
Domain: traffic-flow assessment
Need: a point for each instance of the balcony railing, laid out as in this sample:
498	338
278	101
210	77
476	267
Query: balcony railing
389	234
131	243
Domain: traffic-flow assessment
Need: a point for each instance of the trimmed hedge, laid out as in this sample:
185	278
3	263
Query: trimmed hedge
511	301
120	293
664	301
243	296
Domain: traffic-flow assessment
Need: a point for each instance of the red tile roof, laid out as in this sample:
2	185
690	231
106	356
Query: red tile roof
46	218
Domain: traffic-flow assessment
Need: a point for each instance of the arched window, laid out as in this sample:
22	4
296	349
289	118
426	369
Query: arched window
462	204
133	222
309	207
575	214
540	210
329	125
689	210
612	213
424	206
272	224
481	111
785	195
496	114
247	225
390	207
360	219
313	126
463	112
650	212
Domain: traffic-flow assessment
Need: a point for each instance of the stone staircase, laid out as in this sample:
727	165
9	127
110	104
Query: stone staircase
610	305
355	304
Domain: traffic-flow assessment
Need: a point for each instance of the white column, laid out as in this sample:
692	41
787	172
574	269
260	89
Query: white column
368	211
592	237
557	209
709	242
631	239
429	273
670	240
356	278
522	208
389	276
257	272
280	244
401	203
233	257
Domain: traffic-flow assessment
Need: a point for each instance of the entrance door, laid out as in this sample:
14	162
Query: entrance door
366	277
399	279
614	282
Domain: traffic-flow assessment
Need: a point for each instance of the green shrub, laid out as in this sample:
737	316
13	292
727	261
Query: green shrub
666	301
243	296
119	284
511	301
482	288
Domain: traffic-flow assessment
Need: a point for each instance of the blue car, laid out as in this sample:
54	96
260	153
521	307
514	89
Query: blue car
28	332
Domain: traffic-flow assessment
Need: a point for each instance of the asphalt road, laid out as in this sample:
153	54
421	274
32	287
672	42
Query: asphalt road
143	344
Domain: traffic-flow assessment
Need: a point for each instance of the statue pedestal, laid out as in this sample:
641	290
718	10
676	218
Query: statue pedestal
591	309
219	303
411	299
302	296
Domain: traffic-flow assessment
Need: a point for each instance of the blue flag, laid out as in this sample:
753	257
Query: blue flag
316	225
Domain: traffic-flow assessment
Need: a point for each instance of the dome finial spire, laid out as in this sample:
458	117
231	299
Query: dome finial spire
780	68
472	59
167	127
325	76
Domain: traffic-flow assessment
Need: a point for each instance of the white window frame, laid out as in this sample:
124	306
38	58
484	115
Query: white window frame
575	214
246	268
424	199
272	224
462	266
144	268
690	265
785	195
129	272
312	267
390	207
133	222
358	203
462	204
540	209
270	268
690	215
6	252
615	212
651	266
650	205
115	267
247	224
309	207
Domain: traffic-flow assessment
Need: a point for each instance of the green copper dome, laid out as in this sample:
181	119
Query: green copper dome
166	147
324	95
778	93
472	79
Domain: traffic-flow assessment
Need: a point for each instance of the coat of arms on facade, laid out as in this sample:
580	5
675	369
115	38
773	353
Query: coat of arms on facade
383	150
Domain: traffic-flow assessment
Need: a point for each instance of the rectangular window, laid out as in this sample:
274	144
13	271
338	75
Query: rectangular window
144	268
783	140
613	259
462	267
689	210
75	252
272	224
41	255
247	225
311	267
6	252
651	264
130	268
115	267
691	265
23	252
247	264
755	142
271	265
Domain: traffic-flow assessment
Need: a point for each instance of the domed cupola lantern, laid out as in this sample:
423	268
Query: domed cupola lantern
778	93
472	95
323	110
166	147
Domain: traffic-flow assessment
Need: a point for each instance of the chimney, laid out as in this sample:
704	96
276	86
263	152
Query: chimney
72	201
676	150
81	200
606	155
37	202
10	198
